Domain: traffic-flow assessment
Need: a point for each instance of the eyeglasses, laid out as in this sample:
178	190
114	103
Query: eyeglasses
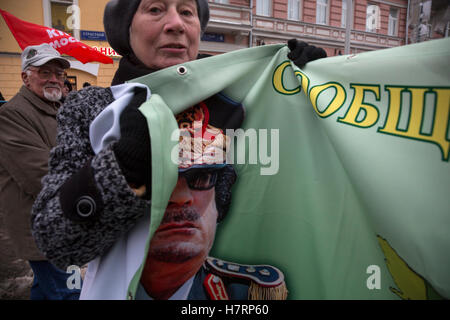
46	74
201	179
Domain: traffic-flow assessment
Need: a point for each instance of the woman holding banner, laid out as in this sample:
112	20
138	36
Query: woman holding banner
90	199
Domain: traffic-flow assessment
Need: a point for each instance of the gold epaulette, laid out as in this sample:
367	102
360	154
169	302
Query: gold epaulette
265	282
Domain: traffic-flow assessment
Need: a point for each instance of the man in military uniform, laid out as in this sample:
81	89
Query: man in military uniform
177	265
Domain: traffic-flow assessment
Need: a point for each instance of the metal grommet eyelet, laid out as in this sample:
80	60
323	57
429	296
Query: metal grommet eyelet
86	207
181	70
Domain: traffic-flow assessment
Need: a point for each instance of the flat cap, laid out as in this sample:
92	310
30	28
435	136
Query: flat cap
41	54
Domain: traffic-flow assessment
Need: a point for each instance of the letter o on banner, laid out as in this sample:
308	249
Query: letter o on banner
64	41
336	102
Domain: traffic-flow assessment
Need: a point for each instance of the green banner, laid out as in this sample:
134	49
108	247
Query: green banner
343	167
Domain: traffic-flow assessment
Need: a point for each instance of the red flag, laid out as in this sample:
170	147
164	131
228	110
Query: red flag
30	34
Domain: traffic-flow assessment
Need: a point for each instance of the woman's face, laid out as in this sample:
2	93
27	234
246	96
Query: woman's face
165	32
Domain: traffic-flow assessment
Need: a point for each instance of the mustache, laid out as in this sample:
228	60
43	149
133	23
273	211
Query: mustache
52	86
180	214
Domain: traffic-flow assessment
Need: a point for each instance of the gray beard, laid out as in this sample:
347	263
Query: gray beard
54	97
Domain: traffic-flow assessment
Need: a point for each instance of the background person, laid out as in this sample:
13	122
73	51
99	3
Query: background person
28	132
66	89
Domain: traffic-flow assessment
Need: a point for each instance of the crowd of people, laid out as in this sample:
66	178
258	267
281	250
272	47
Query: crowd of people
80	202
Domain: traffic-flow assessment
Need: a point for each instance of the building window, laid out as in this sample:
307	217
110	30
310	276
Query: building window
260	42
222	1
393	22
63	15
372	18
263	7
294	10
344	14
321	12
60	16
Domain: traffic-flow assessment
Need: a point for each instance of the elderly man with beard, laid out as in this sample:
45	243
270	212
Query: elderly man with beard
28	133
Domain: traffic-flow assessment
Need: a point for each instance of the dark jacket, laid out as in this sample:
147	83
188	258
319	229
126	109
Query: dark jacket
80	180
27	133
227	289
223	280
80	175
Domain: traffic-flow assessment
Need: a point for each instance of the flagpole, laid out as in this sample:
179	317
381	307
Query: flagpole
348	26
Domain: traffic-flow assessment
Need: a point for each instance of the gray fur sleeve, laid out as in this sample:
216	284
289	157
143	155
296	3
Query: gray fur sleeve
64	241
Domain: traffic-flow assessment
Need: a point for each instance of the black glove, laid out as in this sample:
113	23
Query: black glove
302	53
133	148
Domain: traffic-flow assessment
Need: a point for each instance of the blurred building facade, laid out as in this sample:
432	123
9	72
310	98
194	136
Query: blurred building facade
427	20
377	24
234	24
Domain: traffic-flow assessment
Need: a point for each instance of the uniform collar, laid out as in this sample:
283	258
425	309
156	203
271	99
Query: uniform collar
181	294
50	108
